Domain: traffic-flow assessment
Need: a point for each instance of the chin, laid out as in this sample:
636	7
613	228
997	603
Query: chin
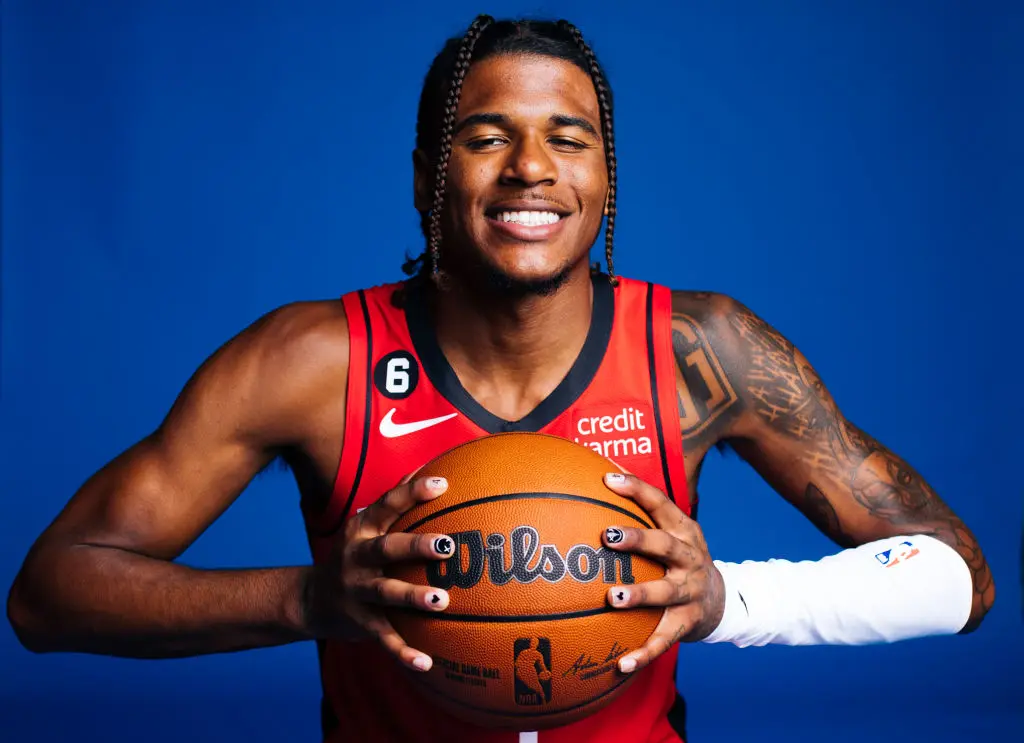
525	281
515	271
516	285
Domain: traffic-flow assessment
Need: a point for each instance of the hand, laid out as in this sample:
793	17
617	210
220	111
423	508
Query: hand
348	592
692	588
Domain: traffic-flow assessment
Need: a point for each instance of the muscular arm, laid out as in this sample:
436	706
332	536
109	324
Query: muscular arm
102	577
778	415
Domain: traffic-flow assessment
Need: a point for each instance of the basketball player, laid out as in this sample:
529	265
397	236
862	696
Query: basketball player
504	326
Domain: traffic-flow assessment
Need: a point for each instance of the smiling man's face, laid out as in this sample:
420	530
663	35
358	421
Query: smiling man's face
527	179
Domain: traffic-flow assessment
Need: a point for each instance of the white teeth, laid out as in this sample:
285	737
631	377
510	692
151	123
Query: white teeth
529	219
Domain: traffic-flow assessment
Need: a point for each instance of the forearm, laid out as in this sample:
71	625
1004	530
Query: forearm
109	601
889	590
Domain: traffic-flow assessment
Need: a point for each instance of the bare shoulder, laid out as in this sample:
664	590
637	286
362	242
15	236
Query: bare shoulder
300	338
282	366
766	379
720	318
738	337
702	304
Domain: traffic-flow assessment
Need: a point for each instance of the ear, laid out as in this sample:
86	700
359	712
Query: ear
422	181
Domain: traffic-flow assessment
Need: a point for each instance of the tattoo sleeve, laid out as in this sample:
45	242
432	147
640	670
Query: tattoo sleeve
850	486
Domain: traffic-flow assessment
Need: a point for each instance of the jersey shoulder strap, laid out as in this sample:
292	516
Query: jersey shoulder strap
360	307
653	302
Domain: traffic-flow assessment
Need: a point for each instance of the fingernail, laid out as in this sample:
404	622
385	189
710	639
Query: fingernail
423	662
444	545
620	596
627	665
437	600
614	535
615	478
438	484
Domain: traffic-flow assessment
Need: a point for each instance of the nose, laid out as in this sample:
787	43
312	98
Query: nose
529	164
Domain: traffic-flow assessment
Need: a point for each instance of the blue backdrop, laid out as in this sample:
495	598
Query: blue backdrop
173	169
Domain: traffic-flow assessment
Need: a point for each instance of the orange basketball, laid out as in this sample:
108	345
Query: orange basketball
528	640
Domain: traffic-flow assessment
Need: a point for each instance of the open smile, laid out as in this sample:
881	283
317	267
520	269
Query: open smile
528	224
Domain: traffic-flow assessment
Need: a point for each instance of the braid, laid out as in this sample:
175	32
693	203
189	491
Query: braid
451	108
607	132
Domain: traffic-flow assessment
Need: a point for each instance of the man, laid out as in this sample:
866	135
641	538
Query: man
505	326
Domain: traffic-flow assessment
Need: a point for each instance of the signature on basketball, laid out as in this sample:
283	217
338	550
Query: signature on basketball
586	667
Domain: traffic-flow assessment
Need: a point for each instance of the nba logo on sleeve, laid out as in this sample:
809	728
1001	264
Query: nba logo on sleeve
900	553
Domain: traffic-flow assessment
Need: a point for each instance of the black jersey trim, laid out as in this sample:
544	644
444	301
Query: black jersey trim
568	391
366	419
654	391
677	716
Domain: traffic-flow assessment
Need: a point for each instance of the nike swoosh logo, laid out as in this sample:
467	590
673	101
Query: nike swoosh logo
391	430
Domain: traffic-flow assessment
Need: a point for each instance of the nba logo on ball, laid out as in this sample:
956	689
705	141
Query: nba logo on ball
532	667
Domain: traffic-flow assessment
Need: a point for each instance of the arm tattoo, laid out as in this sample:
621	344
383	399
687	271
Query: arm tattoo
784	392
820	511
704	392
891	491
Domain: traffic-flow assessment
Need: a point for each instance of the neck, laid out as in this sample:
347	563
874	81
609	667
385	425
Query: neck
511	354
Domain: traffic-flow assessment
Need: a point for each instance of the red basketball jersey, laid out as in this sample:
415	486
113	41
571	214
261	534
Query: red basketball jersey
406	406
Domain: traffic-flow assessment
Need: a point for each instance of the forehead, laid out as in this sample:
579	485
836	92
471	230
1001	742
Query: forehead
528	85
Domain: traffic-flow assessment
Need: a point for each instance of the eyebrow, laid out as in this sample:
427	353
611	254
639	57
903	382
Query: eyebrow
577	121
477	119
496	118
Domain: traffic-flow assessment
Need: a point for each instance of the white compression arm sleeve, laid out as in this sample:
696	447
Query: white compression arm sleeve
891	589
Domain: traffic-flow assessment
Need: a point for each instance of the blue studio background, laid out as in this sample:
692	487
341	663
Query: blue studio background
174	169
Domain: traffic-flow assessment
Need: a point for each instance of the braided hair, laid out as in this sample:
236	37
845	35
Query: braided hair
439	103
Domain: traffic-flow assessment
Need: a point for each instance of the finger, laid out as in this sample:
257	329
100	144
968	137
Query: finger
402	547
662	592
393	592
673	625
665	513
657	544
386	510
381	629
411	475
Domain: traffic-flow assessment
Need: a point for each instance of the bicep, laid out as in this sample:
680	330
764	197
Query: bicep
159	495
794	434
245	405
148	502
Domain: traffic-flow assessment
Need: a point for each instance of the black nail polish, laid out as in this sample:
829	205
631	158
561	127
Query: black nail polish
444	545
434	598
614	535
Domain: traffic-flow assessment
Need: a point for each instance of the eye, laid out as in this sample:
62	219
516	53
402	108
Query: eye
568	144
483	143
